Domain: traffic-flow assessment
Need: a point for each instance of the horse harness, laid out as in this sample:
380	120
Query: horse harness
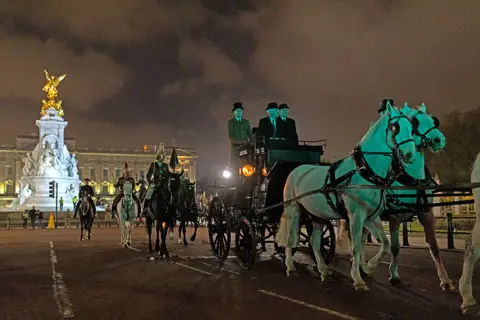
335	199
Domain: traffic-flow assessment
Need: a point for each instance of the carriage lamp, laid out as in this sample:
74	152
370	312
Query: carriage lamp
264	172
248	170
226	174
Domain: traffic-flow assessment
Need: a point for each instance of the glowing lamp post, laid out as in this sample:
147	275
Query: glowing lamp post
227	174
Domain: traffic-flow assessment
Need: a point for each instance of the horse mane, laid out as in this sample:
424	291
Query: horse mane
376	126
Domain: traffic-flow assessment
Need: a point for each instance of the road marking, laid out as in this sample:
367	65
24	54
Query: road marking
203	257
134	249
223	269
194	269
308	305
59	289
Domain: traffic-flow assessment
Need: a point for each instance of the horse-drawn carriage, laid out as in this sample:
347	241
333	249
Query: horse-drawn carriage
253	208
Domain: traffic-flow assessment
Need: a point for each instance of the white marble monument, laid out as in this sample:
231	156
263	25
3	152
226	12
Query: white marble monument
49	161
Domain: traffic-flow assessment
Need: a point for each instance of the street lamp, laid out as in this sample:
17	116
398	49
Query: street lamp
227	174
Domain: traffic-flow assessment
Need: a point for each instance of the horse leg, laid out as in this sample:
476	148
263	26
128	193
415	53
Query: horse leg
164	252
89	228
81	229
288	234
149	231
376	228
180	229
357	219
195	226
129	233
394	226
469	304
157	241
428	222
184	229
316	243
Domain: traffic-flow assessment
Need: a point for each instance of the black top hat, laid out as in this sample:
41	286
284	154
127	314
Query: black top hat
283	106
383	104
86	179
272	105
237	105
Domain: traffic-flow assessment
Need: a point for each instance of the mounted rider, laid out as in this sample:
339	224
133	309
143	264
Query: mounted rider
90	193
142	191
127	176
157	175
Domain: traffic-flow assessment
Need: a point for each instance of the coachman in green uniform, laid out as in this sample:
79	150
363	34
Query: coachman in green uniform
240	133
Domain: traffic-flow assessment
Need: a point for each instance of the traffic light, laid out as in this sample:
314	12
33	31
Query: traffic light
51	189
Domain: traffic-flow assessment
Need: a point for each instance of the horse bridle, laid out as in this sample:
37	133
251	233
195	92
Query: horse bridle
426	142
394	128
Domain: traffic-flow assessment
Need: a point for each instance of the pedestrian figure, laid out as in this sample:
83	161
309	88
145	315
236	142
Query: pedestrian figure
32	213
68	218
61	203
25	219
108	216
40	219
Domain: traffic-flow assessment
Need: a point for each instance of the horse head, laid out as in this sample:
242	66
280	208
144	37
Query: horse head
393	132
174	185
425	128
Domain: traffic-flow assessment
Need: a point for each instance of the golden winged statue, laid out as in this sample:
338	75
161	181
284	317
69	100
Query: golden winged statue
51	89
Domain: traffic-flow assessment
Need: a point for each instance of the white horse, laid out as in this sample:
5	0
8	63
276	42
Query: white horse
128	214
369	164
472	250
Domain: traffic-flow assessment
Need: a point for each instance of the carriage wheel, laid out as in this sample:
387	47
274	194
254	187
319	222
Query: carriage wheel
219	229
245	243
327	244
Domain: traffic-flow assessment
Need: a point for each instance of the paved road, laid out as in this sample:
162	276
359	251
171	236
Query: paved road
47	272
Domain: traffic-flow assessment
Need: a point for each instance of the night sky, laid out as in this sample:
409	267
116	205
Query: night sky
145	71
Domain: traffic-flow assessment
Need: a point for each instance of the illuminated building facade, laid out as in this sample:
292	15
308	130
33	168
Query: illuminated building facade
102	166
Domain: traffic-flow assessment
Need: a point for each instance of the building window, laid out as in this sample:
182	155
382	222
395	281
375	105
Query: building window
92	174
104	189
105	174
80	173
9	189
118	173
9	173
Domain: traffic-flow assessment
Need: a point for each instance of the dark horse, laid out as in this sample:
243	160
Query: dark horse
188	212
164	210
86	215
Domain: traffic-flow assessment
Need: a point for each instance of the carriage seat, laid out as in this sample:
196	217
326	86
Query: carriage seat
285	152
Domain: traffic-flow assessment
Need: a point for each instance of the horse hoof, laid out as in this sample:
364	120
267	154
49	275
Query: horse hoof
472	310
185	244
448	287
395	281
292	273
180	241
128	244
124	245
361	287
192	238
365	273
150	250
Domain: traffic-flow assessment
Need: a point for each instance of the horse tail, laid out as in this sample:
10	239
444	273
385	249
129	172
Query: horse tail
343	241
282	232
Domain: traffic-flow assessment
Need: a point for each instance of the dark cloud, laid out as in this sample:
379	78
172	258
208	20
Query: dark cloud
171	69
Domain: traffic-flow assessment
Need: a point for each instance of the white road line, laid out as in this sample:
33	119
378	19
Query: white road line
308	305
194	269
223	269
203	257
59	289
134	249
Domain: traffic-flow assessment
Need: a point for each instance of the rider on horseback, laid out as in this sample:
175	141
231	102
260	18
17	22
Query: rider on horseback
90	193
121	181
157	175
142	191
